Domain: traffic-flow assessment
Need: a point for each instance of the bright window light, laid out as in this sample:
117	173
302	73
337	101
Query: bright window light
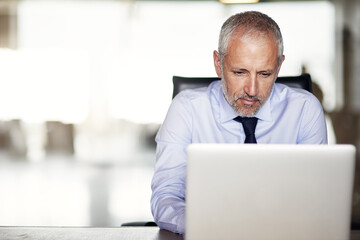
112	59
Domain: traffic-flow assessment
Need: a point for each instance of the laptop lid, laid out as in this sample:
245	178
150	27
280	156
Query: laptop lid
254	191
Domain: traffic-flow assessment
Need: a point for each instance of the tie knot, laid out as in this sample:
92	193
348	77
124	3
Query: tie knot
249	125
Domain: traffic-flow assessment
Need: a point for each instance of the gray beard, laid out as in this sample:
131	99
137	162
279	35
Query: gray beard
232	101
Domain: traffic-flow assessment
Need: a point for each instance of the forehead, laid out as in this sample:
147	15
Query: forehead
246	33
253	47
250	30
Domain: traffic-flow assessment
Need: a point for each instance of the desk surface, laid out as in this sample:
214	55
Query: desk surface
79	233
121	233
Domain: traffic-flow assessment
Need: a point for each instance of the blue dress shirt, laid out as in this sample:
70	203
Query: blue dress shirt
290	116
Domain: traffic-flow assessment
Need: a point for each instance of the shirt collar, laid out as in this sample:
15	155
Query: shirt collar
227	113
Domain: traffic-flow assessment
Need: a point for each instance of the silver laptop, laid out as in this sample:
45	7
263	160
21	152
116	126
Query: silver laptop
249	191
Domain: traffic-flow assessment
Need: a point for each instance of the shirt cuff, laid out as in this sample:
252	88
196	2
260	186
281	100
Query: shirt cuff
181	223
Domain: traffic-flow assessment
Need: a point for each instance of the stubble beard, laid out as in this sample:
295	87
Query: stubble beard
232	101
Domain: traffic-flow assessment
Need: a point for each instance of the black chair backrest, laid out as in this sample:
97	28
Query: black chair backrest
180	83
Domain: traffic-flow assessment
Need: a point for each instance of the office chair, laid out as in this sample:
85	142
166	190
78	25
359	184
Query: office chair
180	83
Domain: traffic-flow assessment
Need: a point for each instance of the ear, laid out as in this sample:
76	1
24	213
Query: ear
283	59
278	70
217	63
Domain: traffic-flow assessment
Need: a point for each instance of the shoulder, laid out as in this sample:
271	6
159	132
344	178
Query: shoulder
303	111
198	95
294	95
186	107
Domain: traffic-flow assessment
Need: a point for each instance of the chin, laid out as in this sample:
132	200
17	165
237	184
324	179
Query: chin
247	111
247	114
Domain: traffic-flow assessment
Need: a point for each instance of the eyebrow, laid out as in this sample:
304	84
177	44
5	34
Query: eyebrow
267	71
239	69
235	69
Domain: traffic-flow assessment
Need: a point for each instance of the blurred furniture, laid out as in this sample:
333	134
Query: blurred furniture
60	138
139	224
181	83
13	138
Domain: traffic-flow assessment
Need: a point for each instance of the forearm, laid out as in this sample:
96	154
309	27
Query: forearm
168	198
168	188
169	213
168	183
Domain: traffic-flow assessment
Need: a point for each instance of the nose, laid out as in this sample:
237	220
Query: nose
251	86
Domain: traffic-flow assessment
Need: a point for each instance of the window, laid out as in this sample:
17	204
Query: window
116	59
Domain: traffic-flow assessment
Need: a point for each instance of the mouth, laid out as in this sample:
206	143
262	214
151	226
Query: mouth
248	101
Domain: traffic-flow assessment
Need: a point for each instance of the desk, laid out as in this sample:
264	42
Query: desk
120	233
88	233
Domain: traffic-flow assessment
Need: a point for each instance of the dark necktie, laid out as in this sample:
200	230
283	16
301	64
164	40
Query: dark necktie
249	125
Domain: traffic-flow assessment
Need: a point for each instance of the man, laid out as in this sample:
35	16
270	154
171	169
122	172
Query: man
248	61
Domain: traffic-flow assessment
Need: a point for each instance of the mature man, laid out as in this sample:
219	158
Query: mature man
248	61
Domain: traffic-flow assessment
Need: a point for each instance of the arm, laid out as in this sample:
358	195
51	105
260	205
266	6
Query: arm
313	125
168	184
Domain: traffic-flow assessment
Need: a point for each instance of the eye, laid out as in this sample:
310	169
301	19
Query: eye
265	74
239	72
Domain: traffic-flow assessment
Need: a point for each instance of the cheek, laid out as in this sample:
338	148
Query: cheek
265	89
234	90
234	87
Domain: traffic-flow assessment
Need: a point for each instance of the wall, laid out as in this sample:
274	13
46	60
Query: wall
346	120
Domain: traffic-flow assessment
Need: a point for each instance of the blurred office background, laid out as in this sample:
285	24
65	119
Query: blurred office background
85	84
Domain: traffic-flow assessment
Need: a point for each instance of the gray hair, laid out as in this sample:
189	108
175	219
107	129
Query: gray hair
251	21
